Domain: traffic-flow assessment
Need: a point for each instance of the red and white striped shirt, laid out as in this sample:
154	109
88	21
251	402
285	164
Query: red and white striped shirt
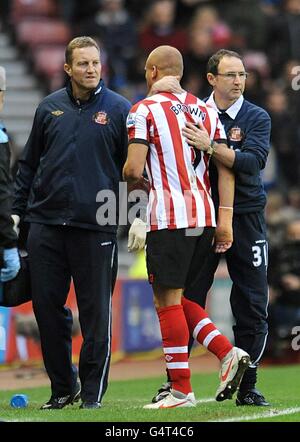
180	194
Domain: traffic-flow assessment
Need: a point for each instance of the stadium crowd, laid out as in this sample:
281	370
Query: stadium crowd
266	33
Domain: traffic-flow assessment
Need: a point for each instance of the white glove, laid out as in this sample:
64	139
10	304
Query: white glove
16	220
137	235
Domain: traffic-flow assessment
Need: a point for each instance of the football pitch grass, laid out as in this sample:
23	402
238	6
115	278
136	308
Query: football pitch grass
124	400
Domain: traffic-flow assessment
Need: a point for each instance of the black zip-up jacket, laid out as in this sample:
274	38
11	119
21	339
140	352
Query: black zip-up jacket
8	237
248	133
74	151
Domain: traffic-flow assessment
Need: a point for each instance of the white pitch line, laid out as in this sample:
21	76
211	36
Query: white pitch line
205	400
27	419
269	413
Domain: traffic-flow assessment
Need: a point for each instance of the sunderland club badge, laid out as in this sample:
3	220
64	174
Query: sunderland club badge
235	134
101	118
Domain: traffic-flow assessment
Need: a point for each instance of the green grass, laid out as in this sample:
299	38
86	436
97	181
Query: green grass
124	400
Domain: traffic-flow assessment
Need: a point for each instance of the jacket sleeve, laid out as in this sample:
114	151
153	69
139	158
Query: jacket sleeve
252	157
28	165
8	237
123	134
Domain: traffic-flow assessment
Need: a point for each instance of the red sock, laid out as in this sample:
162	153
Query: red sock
203	329
175	337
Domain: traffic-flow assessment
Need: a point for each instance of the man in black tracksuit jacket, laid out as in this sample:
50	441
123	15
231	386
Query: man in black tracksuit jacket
8	237
10	261
248	132
77	147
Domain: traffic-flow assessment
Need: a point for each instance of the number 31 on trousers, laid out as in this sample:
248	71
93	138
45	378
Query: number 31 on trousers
260	254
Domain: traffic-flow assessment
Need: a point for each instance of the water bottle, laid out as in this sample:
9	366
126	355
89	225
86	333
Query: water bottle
19	401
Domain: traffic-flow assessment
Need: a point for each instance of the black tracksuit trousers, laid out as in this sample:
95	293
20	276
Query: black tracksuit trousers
247	266
57	254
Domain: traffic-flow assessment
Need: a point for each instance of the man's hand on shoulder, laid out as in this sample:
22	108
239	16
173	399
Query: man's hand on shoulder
169	83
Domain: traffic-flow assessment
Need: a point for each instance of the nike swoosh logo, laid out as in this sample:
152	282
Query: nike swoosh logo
224	377
174	406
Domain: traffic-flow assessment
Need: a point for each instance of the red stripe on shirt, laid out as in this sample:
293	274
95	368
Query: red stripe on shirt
169	204
180	163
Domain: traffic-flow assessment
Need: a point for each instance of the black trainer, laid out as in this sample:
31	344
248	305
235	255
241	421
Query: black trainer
164	390
90	405
56	403
251	397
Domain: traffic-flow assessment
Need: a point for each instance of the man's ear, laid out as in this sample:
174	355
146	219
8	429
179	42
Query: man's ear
68	69
154	72
211	79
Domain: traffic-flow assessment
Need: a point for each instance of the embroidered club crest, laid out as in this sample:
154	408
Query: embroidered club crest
235	134
101	118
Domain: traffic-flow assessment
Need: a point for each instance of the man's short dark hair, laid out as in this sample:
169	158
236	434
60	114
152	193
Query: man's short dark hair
214	61
79	42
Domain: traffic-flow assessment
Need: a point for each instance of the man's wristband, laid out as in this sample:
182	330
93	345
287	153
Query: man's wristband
212	148
226	207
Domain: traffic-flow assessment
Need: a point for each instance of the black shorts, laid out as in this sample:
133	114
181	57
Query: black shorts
170	254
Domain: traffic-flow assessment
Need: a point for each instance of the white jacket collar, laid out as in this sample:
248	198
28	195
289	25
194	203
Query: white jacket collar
232	111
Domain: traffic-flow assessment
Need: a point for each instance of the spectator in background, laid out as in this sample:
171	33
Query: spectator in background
291	84
186	10
137	7
199	49
136	74
68	10
293	197
247	21
275	216
113	25
160	27
285	138
5	9
284	279
9	257
77	147
270	7
208	18
255	91
283	36
74	11
203	40
281	208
